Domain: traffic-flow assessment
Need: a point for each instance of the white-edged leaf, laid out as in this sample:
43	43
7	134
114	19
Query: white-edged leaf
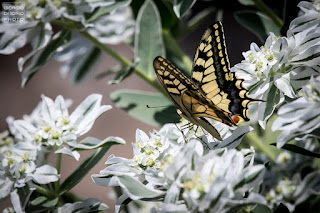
42	57
14	38
45	174
87	112
94	143
136	190
148	38
15	201
252	176
67	151
88	205
107	9
181	7
5	186
135	103
235	139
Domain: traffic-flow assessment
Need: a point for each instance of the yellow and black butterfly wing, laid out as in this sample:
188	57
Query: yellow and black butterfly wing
211	73
190	102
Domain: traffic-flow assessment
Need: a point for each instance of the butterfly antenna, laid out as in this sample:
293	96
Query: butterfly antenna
154	107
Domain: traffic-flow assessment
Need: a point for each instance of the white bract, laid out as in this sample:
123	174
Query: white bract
49	127
309	16
282	65
300	119
55	127
18	167
163	166
110	22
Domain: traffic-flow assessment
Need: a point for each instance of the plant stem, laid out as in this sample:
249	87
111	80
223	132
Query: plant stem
45	192
259	144
70	197
58	167
172	45
122	60
119	58
266	10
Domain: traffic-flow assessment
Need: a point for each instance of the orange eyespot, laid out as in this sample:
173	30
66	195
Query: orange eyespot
237	119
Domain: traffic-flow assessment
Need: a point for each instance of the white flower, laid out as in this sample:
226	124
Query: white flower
208	181
6	141
54	126
300	118
309	16
283	158
149	152
283	192
280	67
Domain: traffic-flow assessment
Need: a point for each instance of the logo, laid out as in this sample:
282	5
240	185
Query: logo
13	12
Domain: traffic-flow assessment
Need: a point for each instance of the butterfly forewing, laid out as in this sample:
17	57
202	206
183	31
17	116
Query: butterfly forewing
211	73
191	103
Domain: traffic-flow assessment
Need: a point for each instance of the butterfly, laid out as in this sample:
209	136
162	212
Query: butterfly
213	90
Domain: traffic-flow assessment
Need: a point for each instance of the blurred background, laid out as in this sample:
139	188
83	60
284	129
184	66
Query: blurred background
17	101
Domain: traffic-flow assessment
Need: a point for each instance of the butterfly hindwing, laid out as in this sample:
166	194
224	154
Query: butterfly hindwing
211	73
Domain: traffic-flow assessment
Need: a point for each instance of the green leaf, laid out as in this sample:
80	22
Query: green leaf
88	205
101	11
181	7
258	23
90	143
51	203
198	19
261	209
43	56
169	19
38	200
83	169
86	65
148	38
121	73
272	101
246	2
299	150
135	103
290	12
136	190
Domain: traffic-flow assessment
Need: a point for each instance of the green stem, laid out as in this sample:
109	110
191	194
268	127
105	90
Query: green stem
122	60
45	192
67	25
266	10
256	141
69	197
119	58
172	45
58	167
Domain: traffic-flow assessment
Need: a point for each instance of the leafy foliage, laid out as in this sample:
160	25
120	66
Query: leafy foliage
179	168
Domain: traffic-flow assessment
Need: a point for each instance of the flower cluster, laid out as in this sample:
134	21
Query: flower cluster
49	127
280	67
108	22
162	166
287	182
54	127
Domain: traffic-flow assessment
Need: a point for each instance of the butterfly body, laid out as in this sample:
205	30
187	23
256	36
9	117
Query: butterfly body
213	91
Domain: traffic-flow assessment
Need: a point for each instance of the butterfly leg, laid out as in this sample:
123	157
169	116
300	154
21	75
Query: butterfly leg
181	130
205	144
